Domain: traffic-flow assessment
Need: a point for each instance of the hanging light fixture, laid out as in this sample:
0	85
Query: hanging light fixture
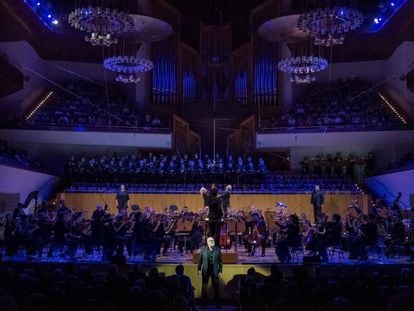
100	24
101	40
302	68
328	25
128	68
306	60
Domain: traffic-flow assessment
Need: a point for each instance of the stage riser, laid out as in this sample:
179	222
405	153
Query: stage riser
297	203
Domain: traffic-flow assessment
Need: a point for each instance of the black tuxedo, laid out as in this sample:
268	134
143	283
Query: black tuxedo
210	264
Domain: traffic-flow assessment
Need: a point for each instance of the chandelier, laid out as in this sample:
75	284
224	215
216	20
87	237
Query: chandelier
302	68
328	25
101	23
101	40
128	68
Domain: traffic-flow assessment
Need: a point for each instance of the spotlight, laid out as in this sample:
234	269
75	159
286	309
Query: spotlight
49	16
376	20
55	22
38	3
392	4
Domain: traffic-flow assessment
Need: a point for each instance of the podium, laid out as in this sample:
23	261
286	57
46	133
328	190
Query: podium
228	258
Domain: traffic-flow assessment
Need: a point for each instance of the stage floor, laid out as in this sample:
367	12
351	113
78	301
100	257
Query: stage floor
336	257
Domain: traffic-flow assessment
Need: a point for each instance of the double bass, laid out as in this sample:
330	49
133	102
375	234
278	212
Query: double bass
224	237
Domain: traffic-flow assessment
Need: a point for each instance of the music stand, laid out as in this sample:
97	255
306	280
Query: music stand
183	229
234	226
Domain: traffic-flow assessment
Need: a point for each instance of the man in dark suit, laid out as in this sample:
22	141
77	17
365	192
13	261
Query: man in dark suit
122	199
210	265
214	212
317	200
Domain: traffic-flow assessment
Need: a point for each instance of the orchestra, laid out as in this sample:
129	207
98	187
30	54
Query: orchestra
152	234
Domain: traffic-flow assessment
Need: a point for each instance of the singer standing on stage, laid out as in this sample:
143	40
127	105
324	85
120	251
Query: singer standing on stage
122	199
210	265
214	211
225	200
317	200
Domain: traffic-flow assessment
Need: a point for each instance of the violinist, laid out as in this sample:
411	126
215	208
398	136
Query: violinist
317	234
197	233
158	232
169	225
97	225
366	235
397	236
262	234
292	239
121	225
332	236
410	241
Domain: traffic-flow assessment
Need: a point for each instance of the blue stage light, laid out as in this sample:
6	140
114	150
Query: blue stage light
55	22
386	11
49	16
38	3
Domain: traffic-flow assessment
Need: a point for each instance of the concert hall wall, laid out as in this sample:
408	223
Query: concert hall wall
21	181
396	69
21	53
392	183
297	203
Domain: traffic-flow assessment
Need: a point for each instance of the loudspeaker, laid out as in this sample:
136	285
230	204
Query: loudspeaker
315	259
229	257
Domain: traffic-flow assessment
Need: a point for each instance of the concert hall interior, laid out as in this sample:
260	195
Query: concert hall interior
148	146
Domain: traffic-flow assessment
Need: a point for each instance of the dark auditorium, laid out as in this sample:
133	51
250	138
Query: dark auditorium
185	155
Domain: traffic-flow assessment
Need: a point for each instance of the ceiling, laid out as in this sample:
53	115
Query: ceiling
67	44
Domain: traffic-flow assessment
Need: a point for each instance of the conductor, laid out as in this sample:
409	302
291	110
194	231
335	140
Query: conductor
214	211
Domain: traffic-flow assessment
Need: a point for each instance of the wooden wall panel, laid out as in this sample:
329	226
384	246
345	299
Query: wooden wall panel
297	203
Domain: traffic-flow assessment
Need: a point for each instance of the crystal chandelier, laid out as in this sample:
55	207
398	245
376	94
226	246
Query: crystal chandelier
302	68
101	40
330	24
128	68
101	23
